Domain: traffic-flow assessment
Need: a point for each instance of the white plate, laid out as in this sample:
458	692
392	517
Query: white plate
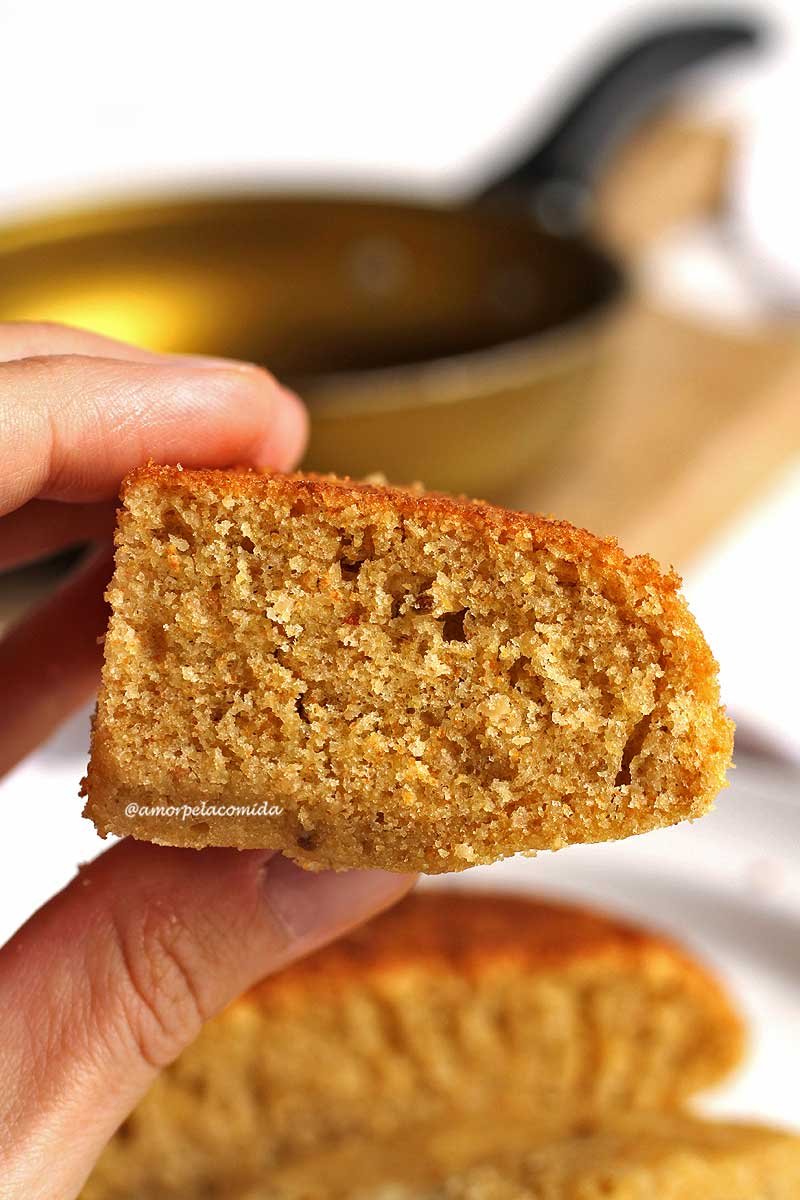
728	886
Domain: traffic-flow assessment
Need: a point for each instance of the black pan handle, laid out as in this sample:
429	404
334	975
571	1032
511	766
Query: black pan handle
555	181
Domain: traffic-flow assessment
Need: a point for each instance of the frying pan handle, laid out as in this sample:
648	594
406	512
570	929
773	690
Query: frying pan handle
556	180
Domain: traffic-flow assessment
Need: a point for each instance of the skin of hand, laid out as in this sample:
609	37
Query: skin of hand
115	975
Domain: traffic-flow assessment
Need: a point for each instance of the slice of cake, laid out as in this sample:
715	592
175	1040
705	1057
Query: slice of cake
653	1158
642	1157
367	676
452	1007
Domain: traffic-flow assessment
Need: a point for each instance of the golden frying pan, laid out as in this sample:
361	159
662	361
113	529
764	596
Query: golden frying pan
448	344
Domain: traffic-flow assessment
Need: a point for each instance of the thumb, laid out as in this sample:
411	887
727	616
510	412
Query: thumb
113	978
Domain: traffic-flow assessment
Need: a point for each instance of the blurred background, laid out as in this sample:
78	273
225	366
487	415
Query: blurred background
579	293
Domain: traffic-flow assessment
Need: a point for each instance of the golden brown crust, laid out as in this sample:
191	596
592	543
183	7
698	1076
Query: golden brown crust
338	492
470	932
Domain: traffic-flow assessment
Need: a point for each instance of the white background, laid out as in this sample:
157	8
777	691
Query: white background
98	98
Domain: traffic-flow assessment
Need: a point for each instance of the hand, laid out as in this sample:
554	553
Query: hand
114	976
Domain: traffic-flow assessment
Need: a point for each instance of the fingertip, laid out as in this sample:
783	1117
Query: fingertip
287	432
283	431
80	423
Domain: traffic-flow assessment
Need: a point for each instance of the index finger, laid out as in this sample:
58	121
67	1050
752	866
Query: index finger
71	425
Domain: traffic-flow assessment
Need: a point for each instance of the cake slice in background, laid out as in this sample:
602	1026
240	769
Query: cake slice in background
651	1156
454	1008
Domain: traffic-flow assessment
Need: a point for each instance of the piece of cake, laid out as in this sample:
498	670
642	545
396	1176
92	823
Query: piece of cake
642	1157
655	1158
367	676
645	1156
454	1005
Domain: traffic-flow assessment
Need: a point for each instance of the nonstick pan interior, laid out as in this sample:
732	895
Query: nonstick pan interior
310	285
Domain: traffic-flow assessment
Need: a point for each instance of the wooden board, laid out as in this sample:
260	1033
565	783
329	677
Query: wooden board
688	425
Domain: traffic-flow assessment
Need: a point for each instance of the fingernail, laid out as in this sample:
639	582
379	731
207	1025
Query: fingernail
312	907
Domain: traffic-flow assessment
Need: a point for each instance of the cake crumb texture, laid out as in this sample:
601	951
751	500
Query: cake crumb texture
454	1009
416	682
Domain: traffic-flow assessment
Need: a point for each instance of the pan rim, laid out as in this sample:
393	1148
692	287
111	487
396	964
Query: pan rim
439	380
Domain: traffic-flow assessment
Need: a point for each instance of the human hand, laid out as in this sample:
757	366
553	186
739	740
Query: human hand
111	979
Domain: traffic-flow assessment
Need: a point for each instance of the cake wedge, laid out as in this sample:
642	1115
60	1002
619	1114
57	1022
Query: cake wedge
657	1156
642	1156
366	676
496	1018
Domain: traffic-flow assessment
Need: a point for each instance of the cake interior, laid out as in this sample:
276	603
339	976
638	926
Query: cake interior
408	687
